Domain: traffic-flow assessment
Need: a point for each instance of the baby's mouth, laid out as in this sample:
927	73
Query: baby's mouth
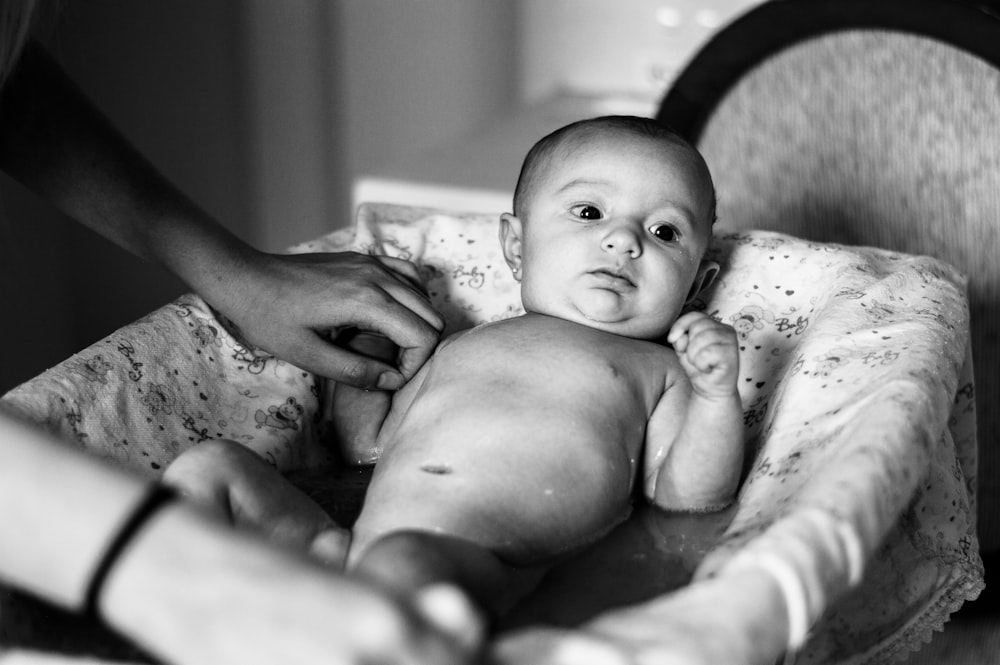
613	277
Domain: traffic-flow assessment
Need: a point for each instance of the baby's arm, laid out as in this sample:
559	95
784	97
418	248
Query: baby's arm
694	439
357	415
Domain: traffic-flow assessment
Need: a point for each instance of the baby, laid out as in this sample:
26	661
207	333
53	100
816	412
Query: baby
524	440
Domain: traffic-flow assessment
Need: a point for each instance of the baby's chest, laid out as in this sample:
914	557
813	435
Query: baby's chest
611	370
603	375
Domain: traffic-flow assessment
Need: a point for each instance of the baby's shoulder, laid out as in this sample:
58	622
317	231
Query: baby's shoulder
659	358
482	338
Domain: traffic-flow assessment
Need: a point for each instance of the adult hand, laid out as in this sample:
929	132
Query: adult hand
294	305
196	593
238	485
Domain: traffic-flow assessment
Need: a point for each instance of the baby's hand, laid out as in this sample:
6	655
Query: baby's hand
708	353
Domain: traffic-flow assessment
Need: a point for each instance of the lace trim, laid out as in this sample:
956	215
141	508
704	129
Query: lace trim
966	585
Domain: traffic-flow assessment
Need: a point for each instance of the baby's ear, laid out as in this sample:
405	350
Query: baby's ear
511	230
706	274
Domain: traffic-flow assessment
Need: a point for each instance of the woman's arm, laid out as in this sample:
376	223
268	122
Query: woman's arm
56	143
739	617
186	587
60	506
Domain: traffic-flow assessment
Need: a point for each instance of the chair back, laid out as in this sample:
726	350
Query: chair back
868	123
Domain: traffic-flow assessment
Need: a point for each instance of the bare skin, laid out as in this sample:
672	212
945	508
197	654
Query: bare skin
525	440
475	451
698	625
476	418
192	591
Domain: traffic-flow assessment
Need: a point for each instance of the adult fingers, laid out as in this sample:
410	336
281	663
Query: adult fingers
330	547
356	277
406	269
415	338
551	646
412	293
320	356
416	302
450	611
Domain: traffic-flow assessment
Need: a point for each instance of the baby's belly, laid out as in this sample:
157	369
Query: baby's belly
529	490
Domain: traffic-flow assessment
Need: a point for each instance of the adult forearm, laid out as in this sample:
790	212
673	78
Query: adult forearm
58	144
187	587
194	592
60	509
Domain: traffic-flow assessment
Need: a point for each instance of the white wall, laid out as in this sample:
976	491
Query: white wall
341	87
420	72
613	47
294	152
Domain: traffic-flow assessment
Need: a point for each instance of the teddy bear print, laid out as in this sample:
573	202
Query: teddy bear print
95	368
280	416
207	335
254	363
827	362
158	398
749	319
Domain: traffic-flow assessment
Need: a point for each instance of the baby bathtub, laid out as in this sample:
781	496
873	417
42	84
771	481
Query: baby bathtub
858	409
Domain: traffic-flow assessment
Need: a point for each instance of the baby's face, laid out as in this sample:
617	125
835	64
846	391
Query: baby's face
614	235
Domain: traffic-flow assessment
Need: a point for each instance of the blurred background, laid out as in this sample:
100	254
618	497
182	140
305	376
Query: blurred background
279	116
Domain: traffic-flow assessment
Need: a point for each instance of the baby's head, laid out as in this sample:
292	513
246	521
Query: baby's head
612	217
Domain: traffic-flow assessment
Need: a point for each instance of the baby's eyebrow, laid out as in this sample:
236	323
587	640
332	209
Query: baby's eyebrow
677	212
582	182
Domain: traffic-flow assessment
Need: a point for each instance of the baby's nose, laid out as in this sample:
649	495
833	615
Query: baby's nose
622	239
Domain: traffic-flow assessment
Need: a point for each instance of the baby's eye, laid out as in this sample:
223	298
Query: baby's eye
587	211
664	232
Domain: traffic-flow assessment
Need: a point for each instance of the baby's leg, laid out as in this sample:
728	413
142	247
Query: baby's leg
237	484
207	472
356	415
408	561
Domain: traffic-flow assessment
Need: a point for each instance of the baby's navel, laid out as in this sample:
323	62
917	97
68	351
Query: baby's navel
436	469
